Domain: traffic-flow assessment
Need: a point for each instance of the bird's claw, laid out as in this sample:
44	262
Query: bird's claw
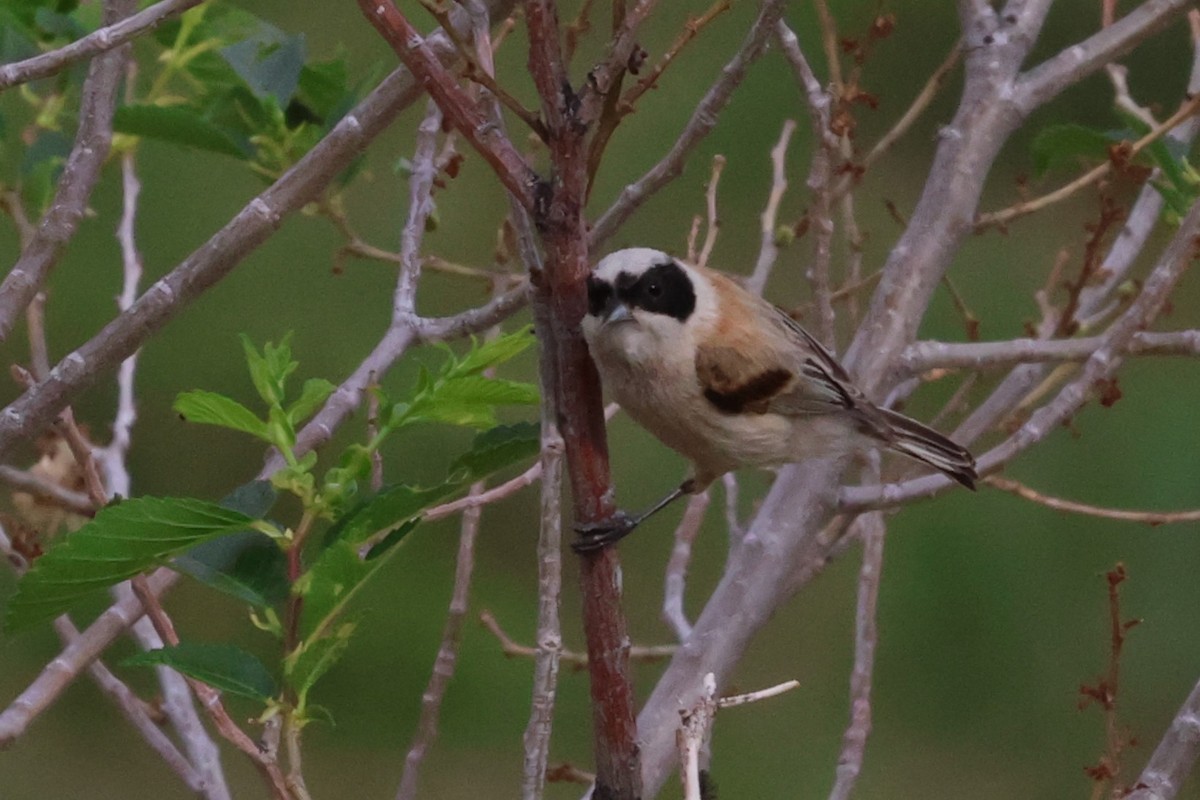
595	536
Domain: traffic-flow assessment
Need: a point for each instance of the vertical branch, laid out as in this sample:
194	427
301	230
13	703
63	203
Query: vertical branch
549	627
443	667
866	634
676	578
820	180
768	247
79	177
560	302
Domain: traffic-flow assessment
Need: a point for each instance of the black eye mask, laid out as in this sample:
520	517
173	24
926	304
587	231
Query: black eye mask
663	289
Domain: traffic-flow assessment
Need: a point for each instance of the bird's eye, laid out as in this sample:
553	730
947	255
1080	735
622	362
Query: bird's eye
654	289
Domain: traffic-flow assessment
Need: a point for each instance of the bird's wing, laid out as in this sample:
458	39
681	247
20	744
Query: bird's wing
783	371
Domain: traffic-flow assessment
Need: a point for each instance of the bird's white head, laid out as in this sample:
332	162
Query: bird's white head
639	301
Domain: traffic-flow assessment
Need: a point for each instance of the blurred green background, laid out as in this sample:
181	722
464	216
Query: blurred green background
992	610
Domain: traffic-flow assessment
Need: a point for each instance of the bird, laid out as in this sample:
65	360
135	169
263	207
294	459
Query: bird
729	380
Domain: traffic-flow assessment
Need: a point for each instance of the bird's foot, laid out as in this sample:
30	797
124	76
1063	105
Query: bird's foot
595	536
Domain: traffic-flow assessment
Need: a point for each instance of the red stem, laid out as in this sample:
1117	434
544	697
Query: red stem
560	303
557	208
457	106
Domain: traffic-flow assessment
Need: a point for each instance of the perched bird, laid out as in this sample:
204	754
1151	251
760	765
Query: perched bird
728	380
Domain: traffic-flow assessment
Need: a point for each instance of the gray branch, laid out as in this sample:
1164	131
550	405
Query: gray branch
703	120
99	41
75	658
921	356
1045	81
79	176
254	224
1175	755
785	545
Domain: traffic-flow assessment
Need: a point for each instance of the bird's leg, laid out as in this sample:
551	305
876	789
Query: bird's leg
597	535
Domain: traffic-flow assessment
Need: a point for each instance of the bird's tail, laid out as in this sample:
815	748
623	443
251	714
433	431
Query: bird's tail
926	445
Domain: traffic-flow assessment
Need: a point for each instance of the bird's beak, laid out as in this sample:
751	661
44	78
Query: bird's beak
619	313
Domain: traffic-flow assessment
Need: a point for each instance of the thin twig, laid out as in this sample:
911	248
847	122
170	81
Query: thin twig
1075	507
303	183
695	729
699	125
732	700
549	626
62	670
416	54
710	205
921	102
820	181
45	491
923	356
866	638
447	655
768	249
675	581
98	41
1099	366
691	29
1006	215
579	661
79	177
134	709
210	698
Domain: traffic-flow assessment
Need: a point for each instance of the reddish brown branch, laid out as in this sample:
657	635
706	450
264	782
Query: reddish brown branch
460	110
560	301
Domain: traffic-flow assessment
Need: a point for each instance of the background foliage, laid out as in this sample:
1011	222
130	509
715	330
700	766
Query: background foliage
992	611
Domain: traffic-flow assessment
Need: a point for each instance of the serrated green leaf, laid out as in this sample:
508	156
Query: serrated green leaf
270	369
389	508
329	584
499	447
1063	145
309	663
247	565
313	394
182	125
211	408
488	391
222	666
123	540
494	352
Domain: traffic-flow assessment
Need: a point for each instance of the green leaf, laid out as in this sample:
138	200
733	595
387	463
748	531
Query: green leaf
270	369
333	579
324	87
253	498
1059	146
222	666
269	62
217	409
489	391
41	165
180	125
312	396
247	565
470	401
123	540
497	448
312	659
494	352
390	507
